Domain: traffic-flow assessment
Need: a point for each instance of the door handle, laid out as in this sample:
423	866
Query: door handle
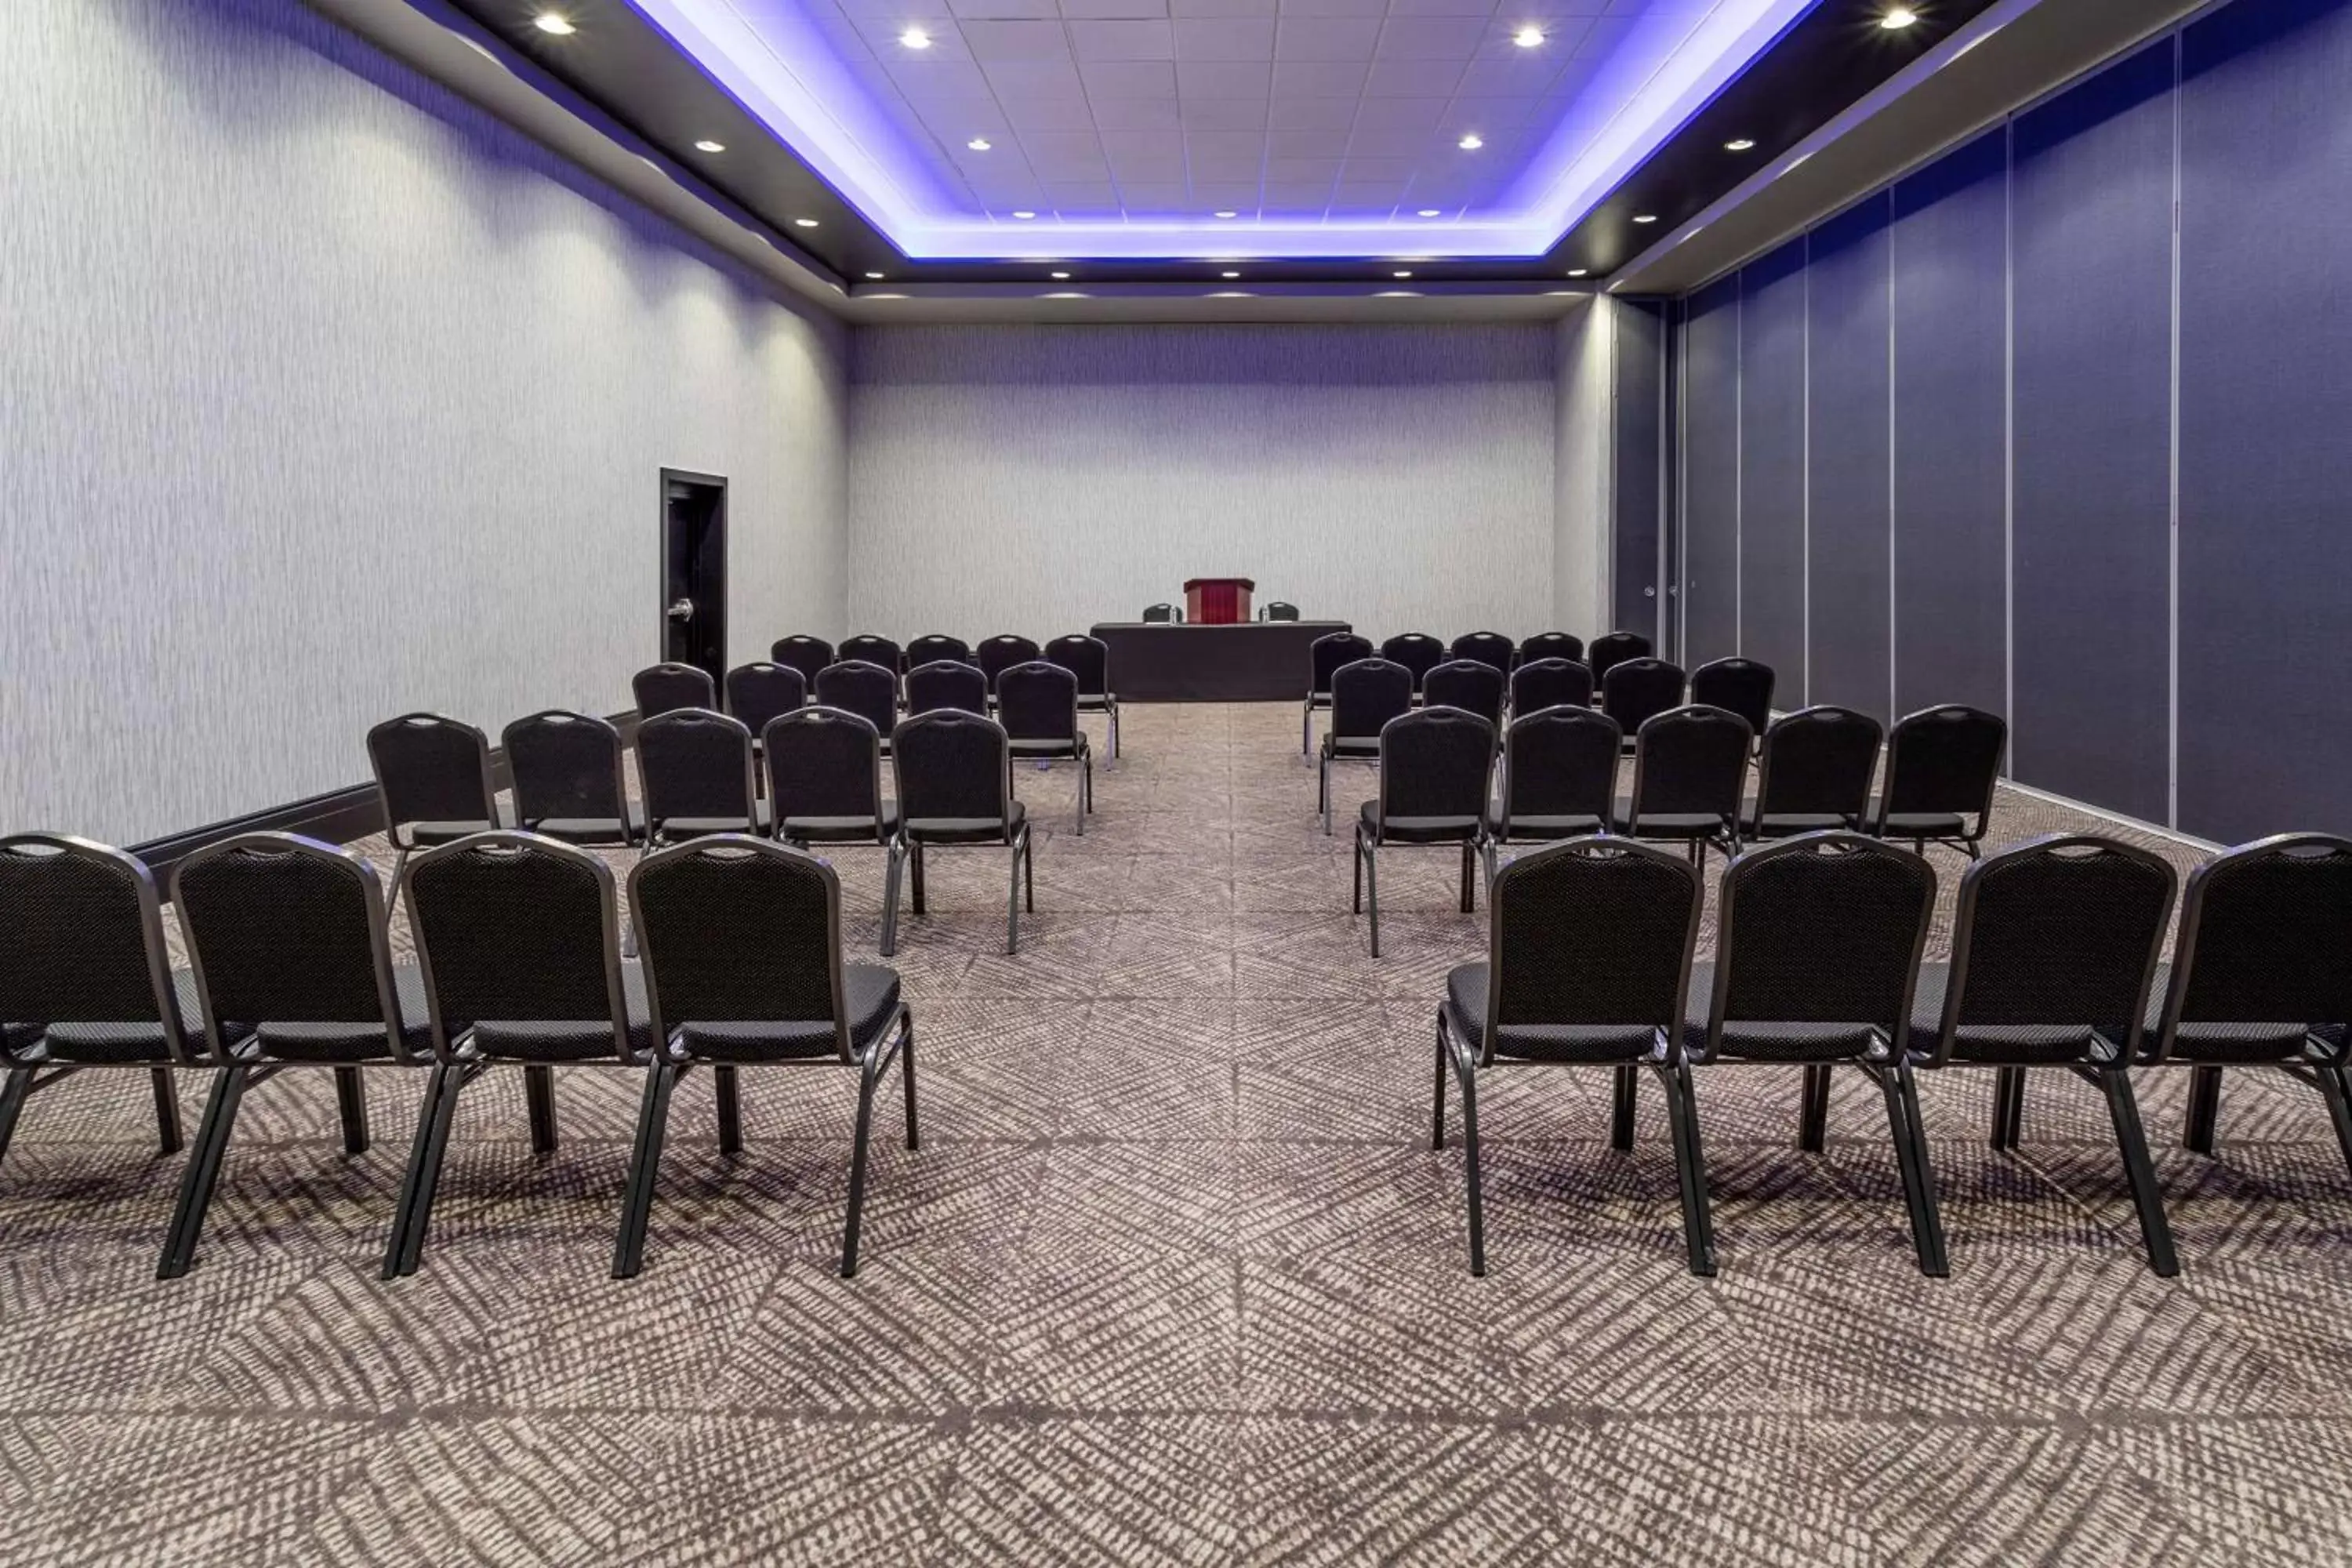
681	610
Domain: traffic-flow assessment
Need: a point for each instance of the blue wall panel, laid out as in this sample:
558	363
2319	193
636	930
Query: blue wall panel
1710	603
1772	467
1849	442
2266	419
2091	264
1950	417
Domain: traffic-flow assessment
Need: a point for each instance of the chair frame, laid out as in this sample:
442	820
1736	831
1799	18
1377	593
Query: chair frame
911	844
1076	749
392	824
1501	831
627	832
1477	852
655	836
1969	843
1728	837
1321	700
1332	738
1106	701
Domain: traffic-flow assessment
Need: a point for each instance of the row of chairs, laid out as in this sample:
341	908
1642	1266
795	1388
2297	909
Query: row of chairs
2055	967
1486	671
937	659
518	963
1164	614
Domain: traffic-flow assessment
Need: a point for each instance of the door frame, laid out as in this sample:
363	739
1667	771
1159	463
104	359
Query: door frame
718	531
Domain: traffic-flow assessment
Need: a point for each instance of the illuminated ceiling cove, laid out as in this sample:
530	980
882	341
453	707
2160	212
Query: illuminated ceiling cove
1042	130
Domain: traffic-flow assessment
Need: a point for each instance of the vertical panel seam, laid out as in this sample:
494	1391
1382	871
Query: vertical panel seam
2009	443
1805	474
2172	478
1894	237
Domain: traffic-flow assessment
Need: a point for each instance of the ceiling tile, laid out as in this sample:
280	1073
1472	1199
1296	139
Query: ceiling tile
1452	8
1310	113
1326	38
881	36
1301	171
1328	144
1001	10
1064	154
1432	37
929	80
1135	113
1035	79
1412	79
1238	195
1225	38
1144	154
1048	113
1110	81
1114	10
1153	198
1224	80
1374	8
1508	78
1016	40
1223	113
1182	8
1319	78
1122	40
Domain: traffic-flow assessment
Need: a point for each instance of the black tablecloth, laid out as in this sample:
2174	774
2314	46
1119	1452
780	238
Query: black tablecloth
1256	661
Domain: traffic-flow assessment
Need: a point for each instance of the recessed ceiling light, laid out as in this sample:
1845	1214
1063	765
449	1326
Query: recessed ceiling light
1528	37
1578	271
1025	213
980	144
1059	277
1228	275
1229	214
1740	144
554	22
1429	212
803	223
707	145
876	276
1898	19
1471	142
915	38
1645	217
1403	275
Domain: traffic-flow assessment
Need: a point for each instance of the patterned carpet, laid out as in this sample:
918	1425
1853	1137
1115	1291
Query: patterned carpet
1175	1278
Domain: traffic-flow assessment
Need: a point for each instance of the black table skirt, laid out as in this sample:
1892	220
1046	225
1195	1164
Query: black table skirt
1256	661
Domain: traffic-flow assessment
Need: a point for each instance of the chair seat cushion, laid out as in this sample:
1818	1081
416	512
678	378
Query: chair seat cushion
677	829
592	830
1074	748
842	829
1771	1040
346	1043
422	833
1351	745
1668	824
1545	829
570	1040
1418	829
1786	824
1466	1012
2003	1044
1923	824
105	1043
966	829
2243	1043
870	992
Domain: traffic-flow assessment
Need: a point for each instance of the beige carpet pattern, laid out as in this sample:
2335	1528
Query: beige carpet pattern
1176	1279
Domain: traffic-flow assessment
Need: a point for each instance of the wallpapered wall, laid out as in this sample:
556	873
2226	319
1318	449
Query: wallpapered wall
324	397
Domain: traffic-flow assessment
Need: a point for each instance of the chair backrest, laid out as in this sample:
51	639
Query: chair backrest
867	689
1418	652
867	648
740	930
932	647
284	932
802	652
2265	938
1328	653
1552	645
946	683
824	762
1595	934
1367	694
1002	652
1281	610
1691	760
1088	657
1945	759
1636	690
1037	701
1158	613
1486	647
758	692
1817	762
697	764
432	769
566	766
81	938
1472	684
2053	940
665	688
1738	686
513	929
952	766
1560	761
1550	683
1434	761
1613	648
1825	929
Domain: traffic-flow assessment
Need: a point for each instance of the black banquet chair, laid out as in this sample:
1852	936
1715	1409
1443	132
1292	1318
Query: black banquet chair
866	689
1559	776
1552	645
758	692
1365	694
1812	772
1689	765
1487	648
1037	703
955	787
698	775
1470	684
1740	686
1088	659
1434	765
1942	767
1418	652
868	648
1000	653
1588	965
825	786
433	781
547	990
1161	614
1613	648
1636	690
661	688
804	653
2054	946
934	645
1325	655
1817	953
743	967
1280	610
568	780
947	683
1542	683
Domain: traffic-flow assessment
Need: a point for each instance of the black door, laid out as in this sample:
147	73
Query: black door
694	571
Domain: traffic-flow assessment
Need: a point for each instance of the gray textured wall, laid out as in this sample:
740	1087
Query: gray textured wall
1581	454
322	397
1042	479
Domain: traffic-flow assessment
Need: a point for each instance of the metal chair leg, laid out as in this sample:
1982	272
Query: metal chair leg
2204	1109
2148	1196
2008	1107
539	1099
1813	1108
203	1172
1323	794
1372	891
1437	1118
1903	1123
351	1101
1468	1076
1356	887
728	1095
1469	878
18	1090
167	1110
1013	904
434	1120
637	1197
1690	1167
906	1078
915	873
1029	871
1305	727
1620	1114
865	1079
890	874
404	1208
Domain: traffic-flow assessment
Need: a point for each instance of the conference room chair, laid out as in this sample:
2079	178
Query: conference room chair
1487	648
1689	767
1559	776
1325	655
1636	690
947	683
861	687
1552	645
1588	965
758	692
1037	703
825	786
569	782
932	647
1365	694
1470	684
744	968
1002	652
1434	766
1615	648
1812	772
804	653
519	957
1088	659
1542	683
699	776
1159	614
292	968
87	980
433	782
1740	686
1942	767
665	688
1817	948
868	648
1280	610
2054	946
1418	652
954	772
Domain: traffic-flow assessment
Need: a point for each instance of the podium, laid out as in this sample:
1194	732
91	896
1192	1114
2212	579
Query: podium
1218	601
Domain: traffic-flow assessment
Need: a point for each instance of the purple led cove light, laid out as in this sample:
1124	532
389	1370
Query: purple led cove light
770	56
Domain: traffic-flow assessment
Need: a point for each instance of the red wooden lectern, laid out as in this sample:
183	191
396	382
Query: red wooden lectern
1218	601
